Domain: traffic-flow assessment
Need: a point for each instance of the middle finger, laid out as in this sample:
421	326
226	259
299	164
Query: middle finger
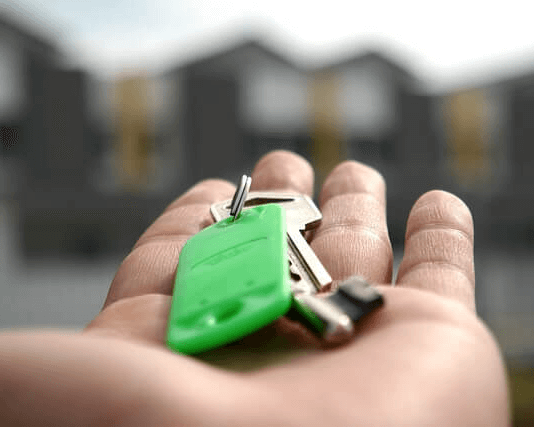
353	237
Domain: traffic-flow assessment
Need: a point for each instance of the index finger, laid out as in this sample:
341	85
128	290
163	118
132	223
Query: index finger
151	266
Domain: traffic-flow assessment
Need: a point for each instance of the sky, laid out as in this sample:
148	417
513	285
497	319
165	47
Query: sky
447	44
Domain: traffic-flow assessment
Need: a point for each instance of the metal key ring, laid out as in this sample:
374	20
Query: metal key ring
240	196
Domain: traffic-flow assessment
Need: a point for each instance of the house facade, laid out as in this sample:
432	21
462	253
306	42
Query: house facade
91	150
231	107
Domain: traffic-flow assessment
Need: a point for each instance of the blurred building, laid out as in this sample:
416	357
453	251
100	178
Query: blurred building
488	156
87	164
233	106
511	209
25	59
238	104
466	153
52	153
90	187
96	160
370	109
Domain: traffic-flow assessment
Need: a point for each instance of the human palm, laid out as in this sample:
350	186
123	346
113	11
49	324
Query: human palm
422	359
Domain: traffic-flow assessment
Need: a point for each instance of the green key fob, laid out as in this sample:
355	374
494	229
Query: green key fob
232	279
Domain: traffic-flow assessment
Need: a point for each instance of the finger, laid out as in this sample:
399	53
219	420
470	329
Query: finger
353	237
151	266
438	252
283	171
142	318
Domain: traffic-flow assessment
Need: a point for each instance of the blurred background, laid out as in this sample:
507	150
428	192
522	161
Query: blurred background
111	109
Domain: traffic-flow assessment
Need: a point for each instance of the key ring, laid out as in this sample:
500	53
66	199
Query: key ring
240	195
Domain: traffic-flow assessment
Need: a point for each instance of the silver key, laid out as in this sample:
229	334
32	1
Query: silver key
308	274
332	316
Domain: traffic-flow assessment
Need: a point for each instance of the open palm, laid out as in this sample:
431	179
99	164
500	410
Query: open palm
423	359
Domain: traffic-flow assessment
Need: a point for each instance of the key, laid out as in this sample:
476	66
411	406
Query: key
308	274
232	279
332	316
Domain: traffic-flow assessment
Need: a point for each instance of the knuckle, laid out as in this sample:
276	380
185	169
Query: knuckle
440	238
438	250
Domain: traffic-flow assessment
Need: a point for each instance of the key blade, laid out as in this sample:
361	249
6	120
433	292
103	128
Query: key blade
301	215
301	282
311	265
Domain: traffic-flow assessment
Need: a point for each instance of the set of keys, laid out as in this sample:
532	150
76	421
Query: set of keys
253	266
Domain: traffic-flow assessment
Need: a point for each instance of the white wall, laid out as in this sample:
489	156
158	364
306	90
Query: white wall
274	97
367	99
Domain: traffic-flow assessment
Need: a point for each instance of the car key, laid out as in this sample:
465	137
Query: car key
323	317
232	279
331	316
308	274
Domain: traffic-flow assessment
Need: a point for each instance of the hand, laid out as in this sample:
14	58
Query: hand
424	359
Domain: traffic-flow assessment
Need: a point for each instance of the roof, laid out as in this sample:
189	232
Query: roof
243	44
254	44
371	56
32	38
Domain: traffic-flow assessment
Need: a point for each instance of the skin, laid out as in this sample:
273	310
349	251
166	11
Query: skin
424	359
